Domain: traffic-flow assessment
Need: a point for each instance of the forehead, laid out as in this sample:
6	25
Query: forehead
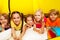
38	13
29	18
2	17
53	13
16	15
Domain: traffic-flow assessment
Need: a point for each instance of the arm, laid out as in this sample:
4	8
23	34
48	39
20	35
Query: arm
47	25
23	31
3	27
13	33
37	29
42	28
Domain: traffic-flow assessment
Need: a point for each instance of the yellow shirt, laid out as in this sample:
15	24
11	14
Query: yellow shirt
16	27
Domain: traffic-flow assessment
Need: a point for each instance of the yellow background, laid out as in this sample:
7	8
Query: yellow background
29	6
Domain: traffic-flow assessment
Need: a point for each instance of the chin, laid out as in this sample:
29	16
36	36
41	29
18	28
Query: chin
53	20
16	23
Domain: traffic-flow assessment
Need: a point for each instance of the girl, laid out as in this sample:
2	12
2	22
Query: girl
4	22
28	33
16	23
39	21
27	27
53	19
5	27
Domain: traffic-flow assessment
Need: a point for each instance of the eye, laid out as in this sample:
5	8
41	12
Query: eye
14	18
35	15
38	15
18	17
55	14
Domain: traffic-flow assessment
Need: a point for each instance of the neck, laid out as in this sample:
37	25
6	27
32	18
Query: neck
37	21
52	20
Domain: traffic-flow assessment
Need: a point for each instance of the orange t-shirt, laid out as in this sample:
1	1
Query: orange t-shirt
51	24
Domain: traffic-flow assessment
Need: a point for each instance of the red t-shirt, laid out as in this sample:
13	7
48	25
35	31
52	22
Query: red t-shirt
39	25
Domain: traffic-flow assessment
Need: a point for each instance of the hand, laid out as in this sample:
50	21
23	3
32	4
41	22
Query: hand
19	38
41	31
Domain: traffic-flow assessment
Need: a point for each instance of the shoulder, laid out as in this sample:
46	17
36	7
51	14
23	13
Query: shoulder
58	20
47	19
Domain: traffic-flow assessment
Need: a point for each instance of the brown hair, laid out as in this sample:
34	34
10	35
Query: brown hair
53	11
29	15
5	15
16	12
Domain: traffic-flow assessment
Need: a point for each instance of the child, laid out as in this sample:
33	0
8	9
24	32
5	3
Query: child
28	33
39	20
5	27
4	22
16	23
27	27
53	19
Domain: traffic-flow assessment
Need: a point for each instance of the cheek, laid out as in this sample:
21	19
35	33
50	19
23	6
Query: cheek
28	22
6	21
18	20
31	22
1	21
50	16
56	16
13	20
38	17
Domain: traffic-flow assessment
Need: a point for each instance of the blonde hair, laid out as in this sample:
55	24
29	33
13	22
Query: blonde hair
39	10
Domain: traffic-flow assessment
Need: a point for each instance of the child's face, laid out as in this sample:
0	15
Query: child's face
16	18
38	16
29	20
53	16
3	20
